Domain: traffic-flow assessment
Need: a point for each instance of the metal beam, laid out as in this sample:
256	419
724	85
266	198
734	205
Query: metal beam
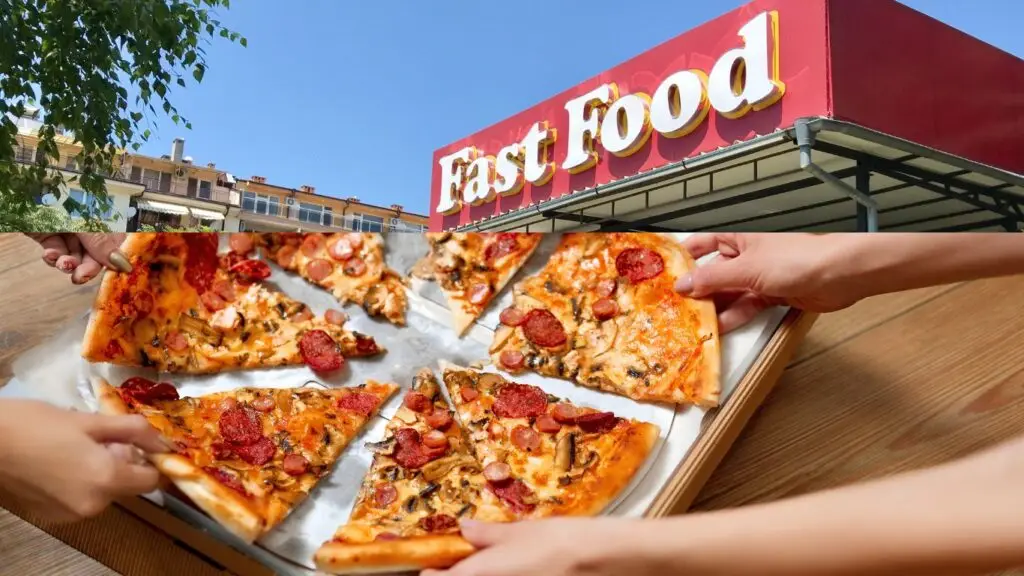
968	226
863	184
726	202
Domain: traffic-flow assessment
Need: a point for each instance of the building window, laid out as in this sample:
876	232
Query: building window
205	190
92	205
316	214
261	203
25	154
367	223
70	163
151	179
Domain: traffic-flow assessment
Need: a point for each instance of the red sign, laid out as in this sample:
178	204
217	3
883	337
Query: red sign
749	72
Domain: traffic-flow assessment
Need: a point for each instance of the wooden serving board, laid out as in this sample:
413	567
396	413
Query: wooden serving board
720	429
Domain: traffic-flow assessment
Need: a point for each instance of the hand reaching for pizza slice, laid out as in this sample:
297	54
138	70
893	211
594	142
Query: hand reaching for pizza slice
67	465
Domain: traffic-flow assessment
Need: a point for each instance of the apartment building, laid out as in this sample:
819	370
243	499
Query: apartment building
173	191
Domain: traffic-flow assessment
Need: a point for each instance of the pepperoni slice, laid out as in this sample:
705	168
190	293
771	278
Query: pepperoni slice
639	264
497	472
145	391
295	464
319	269
176	341
212	301
240	426
264	403
227	404
336	317
417	402
512	316
201	260
605	288
469	394
143	303
479	293
251	270
356	239
409	451
286	257
605	308
241	243
312	244
225	289
360	402
438	523
543	329
520	401
506	243
512	359
565	413
342	250
597	421
526	439
258	453
227	479
320	352
385	495
547	424
514	494
354	267
440	419
303	315
435	439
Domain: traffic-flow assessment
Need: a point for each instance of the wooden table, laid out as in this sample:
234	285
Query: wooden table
893	383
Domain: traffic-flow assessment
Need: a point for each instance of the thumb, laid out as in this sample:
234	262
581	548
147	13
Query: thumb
104	248
486	534
719	275
133	429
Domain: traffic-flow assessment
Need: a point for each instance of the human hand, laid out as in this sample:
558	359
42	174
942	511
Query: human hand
67	465
555	547
83	255
756	271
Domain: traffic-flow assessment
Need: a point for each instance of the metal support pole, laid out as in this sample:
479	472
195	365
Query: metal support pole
805	140
864	185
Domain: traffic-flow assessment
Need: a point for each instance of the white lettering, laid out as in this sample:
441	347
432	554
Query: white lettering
508	170
748	78
627	125
478	181
452	177
584	126
537	170
680	104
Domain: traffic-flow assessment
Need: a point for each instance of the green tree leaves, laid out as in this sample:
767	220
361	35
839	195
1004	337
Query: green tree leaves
80	61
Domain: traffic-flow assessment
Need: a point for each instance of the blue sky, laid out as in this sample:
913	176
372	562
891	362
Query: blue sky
353	97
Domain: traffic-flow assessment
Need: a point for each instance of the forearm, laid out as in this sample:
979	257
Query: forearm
875	264
964	518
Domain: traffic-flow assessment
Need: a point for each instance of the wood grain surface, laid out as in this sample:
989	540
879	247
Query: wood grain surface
893	383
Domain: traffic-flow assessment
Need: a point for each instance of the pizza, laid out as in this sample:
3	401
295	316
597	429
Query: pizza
541	455
186	309
247	457
604	313
472	268
423	480
350	265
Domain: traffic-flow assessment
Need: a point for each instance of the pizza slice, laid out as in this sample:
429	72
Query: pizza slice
186	309
604	313
351	265
472	268
423	479
248	457
543	456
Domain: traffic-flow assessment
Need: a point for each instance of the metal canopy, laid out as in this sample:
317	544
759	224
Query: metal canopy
759	185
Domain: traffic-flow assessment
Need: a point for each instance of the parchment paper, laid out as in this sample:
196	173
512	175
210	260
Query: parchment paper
55	372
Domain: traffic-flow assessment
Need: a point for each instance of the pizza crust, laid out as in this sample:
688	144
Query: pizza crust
386	556
101	320
710	371
224	505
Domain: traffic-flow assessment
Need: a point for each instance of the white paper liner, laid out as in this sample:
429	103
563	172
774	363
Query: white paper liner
55	372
